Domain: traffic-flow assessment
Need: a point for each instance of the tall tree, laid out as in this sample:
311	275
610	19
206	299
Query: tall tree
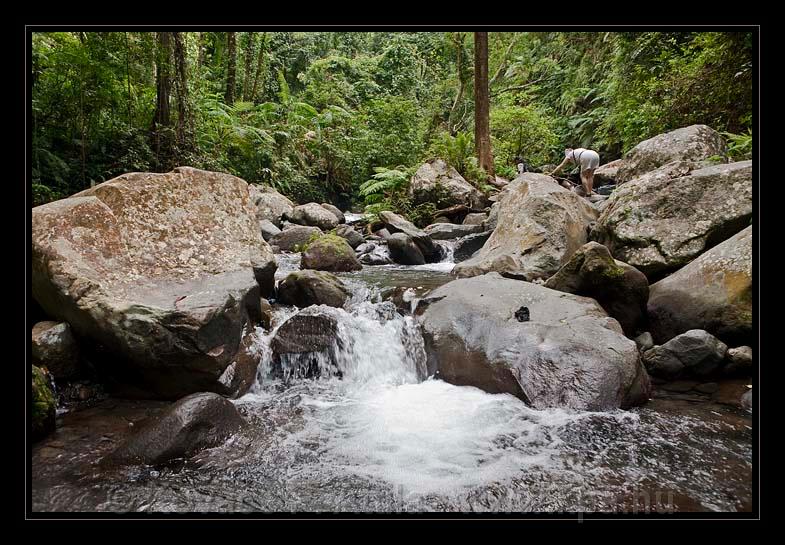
162	119
249	49
184	117
231	67
482	129
260	59
202	44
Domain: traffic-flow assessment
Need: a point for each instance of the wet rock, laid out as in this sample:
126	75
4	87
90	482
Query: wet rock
402	297
196	422
746	400
403	250
330	253
659	225
436	181
162	272
378	254
568	354
622	290
54	347
306	288
695	353
270	205
266	317
644	341
396	224
739	361
714	293
293	238
314	215
475	219
467	246
693	143
304	346
268	229
351	235
383	234
44	404
540	225
446	231
364	248
335	212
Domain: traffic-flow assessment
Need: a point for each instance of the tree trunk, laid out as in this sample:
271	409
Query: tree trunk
231	67
200	56
249	47
259	67
482	132
184	119
162	119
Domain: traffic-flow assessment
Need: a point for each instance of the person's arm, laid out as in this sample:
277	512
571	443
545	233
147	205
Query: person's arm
561	166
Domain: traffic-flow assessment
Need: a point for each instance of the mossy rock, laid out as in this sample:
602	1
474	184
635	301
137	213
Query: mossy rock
330	253
44	404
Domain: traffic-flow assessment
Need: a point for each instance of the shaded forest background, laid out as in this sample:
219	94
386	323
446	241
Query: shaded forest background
346	117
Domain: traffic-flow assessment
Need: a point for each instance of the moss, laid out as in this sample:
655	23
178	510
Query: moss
44	403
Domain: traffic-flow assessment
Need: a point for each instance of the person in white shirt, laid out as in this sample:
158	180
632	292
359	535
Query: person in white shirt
588	159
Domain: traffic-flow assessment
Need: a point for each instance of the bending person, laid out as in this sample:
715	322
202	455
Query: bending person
588	159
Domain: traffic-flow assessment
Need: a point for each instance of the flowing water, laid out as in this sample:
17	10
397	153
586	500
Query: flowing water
384	437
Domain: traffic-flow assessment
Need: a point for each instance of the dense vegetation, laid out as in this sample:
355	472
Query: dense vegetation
346	117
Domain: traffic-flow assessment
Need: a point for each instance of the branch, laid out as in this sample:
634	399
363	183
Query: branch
503	64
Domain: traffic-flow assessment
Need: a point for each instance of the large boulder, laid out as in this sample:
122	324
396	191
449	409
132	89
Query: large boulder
396	224
478	218
306	288
294	237
607	174
196	422
54	347
162	273
659	225
305	345
437	182
622	290
350	234
446	231
469	245
335	211
540	225
268	229
695	353
693	143
550	349
330	253
714	293
314	215
270	205
43	403
403	250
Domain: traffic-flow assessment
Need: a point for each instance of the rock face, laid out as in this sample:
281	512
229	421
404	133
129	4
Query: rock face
714	293
540	225
335	211
330	253
436	181
397	224
198	421
314	215
350	234
622	290
693	143
659	225
294	236
44	405
446	231
306	288
270	205
469	245
548	348
268	229
695	353
55	348
163	272
607	174
403	250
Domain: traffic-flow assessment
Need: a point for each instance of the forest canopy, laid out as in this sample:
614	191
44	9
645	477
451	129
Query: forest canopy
345	117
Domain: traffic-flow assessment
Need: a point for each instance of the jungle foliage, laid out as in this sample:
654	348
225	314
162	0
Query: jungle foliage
346	117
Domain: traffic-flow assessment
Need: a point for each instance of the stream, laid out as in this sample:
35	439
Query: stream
386	438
